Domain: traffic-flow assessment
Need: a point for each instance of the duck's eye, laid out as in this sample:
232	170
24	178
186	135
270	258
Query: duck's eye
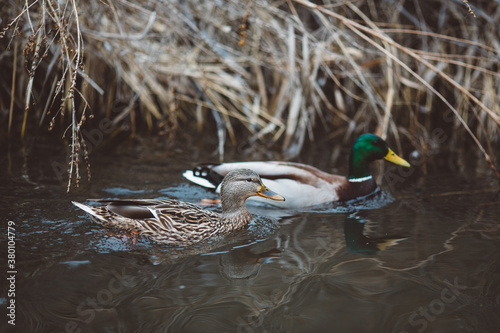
376	142
249	180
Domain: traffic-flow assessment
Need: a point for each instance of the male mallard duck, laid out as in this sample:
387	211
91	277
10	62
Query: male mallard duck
175	222
305	185
357	242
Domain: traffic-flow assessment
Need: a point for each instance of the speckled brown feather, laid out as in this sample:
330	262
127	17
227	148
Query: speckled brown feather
175	222
178	223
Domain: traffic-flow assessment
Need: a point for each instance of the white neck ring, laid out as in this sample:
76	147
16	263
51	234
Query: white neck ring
359	180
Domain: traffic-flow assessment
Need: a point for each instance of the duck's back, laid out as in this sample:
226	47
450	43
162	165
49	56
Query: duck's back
302	185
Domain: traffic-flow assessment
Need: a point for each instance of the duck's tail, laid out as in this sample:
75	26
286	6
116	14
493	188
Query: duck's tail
203	175
89	210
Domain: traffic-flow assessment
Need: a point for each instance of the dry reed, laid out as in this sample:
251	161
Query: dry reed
278	69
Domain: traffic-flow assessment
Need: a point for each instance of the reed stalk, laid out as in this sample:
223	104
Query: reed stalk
264	72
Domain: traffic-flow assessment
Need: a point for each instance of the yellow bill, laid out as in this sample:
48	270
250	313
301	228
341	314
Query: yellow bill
392	157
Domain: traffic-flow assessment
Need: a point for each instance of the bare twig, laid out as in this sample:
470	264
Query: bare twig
277	70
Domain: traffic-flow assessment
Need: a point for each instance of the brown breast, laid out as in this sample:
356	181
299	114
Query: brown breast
352	190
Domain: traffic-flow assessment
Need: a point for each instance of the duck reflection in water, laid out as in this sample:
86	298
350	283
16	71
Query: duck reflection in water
245	263
358	242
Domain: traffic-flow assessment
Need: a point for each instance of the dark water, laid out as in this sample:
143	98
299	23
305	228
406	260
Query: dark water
421	256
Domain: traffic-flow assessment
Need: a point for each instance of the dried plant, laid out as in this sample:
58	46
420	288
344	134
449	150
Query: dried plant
278	69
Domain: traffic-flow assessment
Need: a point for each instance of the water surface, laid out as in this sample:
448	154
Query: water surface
423	255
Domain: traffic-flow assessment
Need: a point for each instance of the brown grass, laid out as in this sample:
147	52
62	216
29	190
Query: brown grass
276	69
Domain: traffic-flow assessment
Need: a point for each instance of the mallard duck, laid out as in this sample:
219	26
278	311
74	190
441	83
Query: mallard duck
357	242
174	222
305	185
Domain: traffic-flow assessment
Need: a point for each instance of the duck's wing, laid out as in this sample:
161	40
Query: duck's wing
177	222
169	209
133	209
302	185
184	212
119	213
166	221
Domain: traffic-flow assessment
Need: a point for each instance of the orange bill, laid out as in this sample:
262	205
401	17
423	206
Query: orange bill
267	193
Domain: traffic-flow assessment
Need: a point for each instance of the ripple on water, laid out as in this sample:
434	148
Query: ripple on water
75	272
123	192
377	200
189	192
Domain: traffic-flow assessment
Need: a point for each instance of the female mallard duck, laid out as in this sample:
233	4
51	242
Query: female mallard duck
175	222
305	185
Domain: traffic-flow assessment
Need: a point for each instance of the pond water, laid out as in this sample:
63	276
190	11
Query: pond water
423	255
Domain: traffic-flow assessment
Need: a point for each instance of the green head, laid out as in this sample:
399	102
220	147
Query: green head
368	148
